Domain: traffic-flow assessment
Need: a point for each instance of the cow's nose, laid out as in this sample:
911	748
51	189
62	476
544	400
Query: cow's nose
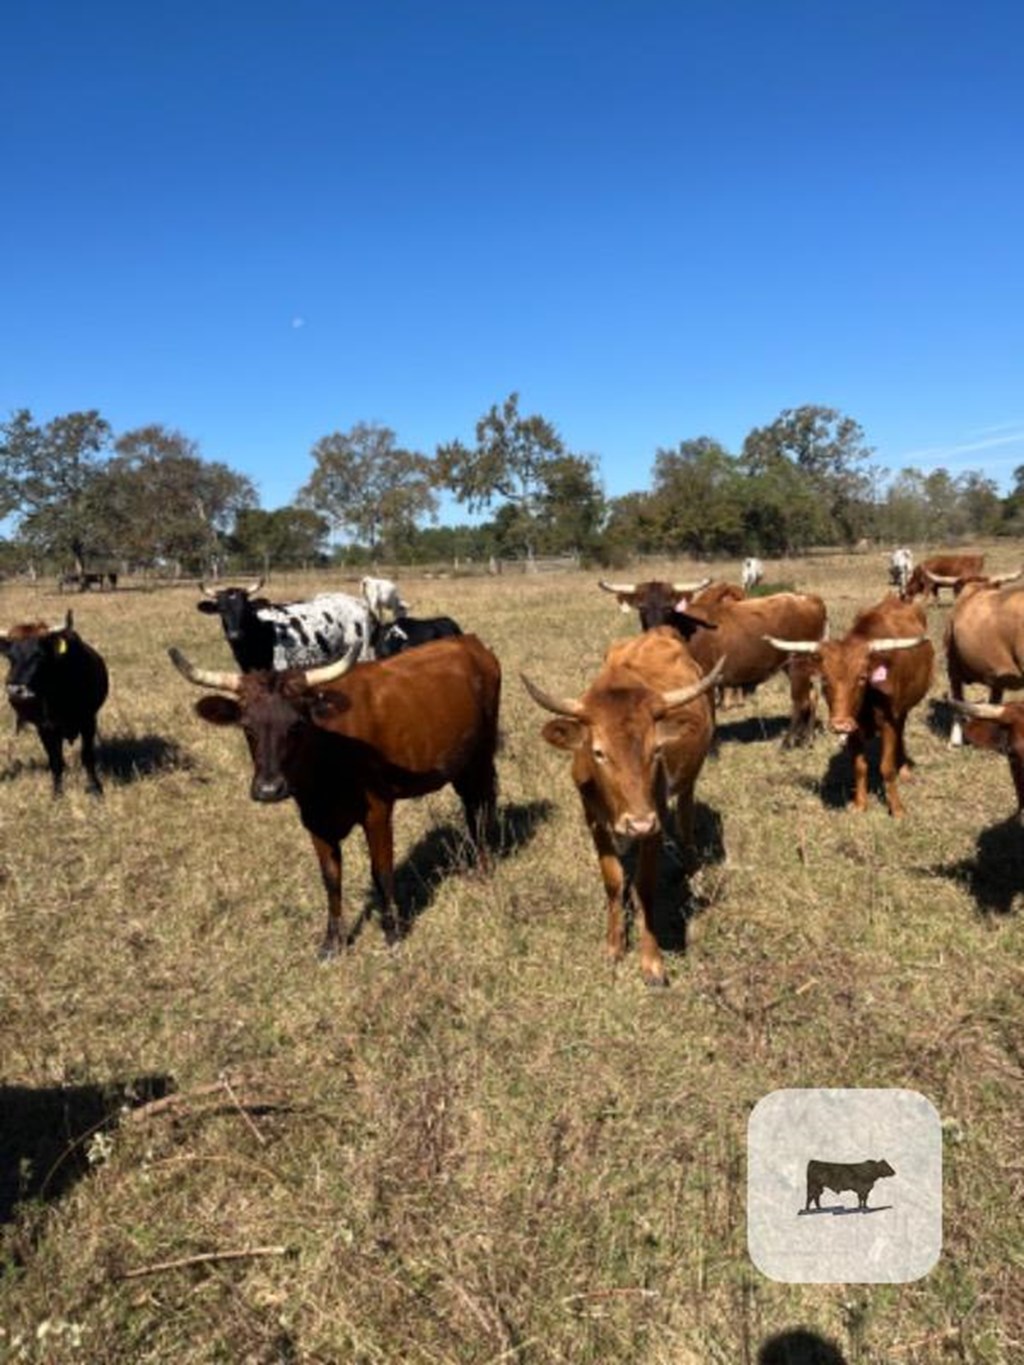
269	789
639	825
843	725
19	692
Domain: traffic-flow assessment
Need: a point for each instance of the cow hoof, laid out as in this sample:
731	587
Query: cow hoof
327	951
655	981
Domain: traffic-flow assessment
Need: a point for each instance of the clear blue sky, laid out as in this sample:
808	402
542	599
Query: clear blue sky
654	219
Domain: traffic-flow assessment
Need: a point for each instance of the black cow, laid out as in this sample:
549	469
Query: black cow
264	634
57	683
410	631
838	1176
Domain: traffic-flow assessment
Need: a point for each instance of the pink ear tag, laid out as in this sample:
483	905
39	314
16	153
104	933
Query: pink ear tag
682	604
880	673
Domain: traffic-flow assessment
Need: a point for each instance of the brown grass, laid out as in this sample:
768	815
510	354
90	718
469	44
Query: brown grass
485	1145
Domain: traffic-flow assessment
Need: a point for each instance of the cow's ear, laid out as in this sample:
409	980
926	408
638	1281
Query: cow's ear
564	732
987	734
208	607
324	707
627	601
670	728
219	710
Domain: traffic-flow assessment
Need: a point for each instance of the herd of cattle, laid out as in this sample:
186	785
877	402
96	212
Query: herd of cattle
420	710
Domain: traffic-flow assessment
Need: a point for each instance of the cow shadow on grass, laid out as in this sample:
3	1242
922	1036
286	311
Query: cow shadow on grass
445	851
799	1346
676	902
750	729
45	1136
838	1210
121	760
835	786
994	876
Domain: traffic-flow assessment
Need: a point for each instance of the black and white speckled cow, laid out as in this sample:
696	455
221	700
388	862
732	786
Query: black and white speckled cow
264	634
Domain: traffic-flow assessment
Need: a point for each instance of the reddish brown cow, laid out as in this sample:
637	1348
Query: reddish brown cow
985	642
872	678
941	571
1000	728
737	631
638	737
348	742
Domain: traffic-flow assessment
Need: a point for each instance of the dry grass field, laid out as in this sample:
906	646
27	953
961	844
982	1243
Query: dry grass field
484	1145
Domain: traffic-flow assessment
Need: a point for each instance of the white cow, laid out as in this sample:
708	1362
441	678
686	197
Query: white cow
901	566
751	573
382	595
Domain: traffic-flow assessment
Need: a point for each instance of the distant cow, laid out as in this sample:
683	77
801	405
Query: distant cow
942	571
410	631
985	642
81	581
638	737
264	634
737	631
57	683
901	566
382	596
872	678
837	1176
751	573
348	742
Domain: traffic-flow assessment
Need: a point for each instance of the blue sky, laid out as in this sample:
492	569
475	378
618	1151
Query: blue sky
260	223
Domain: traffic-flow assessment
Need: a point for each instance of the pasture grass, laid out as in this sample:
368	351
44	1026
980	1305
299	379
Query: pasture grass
485	1144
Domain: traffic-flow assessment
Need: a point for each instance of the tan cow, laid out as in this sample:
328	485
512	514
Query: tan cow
1000	728
941	571
638	737
872	678
985	642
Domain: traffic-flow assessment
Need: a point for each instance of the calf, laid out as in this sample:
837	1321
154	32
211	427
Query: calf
751	573
999	727
837	1176
901	566
381	596
638	737
264	634
410	632
57	683
872	678
347	742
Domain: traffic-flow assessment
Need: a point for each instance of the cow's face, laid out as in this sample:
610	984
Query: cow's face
233	606
273	711
616	748
36	654
882	1168
847	669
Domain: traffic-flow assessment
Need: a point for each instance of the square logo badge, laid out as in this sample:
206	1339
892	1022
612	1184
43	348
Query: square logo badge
844	1186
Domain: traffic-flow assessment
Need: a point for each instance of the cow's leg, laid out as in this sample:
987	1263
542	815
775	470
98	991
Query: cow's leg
859	759
380	841
891	746
684	831
651	963
328	852
804	703
478	792
614	882
54	746
1016	757
956	689
92	783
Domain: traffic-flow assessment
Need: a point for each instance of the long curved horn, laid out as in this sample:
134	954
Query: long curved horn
979	710
616	587
997	580
901	642
683	588
207	592
679	696
793	646
943	580
318	677
202	677
254	587
559	706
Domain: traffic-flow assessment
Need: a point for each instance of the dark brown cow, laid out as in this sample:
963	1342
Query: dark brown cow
858	1176
737	631
638	737
348	742
57	683
985	642
872	678
1000	728
942	571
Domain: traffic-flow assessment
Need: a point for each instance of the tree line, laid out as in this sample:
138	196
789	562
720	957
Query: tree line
74	494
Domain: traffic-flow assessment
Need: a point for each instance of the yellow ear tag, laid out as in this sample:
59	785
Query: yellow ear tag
62	646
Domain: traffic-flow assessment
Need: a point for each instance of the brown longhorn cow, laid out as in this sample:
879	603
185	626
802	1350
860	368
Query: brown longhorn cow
348	742
638	737
737	631
941	571
872	678
985	642
1000	728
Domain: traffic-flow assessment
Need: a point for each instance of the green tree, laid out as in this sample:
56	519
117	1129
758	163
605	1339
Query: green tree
571	508
46	475
366	484
514	461
828	451
285	538
698	492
